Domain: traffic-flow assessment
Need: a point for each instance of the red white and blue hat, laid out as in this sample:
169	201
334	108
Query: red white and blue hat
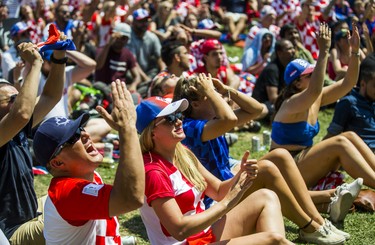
155	107
140	14
297	68
19	28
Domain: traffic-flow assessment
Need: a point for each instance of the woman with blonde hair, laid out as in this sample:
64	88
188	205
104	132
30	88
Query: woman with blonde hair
176	182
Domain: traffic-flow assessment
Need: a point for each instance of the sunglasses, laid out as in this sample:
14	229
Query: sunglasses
11	98
171	119
71	141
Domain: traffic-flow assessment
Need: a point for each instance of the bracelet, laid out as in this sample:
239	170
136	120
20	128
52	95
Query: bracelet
355	53
58	61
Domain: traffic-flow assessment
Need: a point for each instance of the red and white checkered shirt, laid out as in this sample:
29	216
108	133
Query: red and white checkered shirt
292	6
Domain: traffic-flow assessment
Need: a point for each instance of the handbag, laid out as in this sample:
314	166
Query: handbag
365	200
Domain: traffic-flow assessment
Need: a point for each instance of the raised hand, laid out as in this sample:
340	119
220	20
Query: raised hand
123	113
220	87
204	83
324	37
354	39
29	52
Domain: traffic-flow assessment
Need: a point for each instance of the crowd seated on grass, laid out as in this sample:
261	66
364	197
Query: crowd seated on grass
152	46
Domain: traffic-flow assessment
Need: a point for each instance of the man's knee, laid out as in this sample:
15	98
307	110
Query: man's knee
30	233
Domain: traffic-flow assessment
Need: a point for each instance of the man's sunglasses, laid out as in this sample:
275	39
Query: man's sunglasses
171	119
71	141
11	98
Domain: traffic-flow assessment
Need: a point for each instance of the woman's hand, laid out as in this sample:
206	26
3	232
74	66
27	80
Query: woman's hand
204	84
219	86
324	38
249	166
354	39
247	174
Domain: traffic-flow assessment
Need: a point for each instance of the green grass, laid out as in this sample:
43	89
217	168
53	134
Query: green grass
359	225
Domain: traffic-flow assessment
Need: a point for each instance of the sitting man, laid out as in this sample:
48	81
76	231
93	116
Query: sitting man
20	110
271	80
356	111
67	151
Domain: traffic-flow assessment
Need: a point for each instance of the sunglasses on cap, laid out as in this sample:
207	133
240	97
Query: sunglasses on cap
71	141
171	119
11	98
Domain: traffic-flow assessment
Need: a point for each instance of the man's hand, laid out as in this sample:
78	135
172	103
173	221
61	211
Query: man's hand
123	112
29	53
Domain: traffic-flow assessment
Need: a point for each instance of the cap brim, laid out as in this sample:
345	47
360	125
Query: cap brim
179	105
80	121
308	70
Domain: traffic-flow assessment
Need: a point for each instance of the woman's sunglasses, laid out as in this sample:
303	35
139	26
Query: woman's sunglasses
71	141
171	119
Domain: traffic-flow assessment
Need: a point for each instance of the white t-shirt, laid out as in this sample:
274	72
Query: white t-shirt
61	108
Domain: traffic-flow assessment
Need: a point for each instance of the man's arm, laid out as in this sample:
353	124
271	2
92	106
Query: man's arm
52	90
129	184
84	65
23	107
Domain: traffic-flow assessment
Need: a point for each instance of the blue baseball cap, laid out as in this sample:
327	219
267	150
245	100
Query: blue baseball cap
53	133
206	24
140	14
154	107
297	68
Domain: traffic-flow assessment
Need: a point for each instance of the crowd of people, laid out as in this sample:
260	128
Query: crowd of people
159	74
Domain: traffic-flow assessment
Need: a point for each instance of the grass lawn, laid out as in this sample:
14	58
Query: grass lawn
361	226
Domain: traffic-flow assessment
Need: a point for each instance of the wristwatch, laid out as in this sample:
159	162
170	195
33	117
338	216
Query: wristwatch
58	61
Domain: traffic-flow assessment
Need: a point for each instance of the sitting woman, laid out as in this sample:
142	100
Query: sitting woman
340	56
296	120
176	183
209	117
258	55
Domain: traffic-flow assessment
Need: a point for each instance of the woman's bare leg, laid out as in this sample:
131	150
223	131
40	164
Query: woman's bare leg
288	168
270	177
263	218
328	155
361	146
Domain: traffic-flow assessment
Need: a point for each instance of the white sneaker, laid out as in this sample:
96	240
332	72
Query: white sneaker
330	226
322	236
354	188
340	205
129	240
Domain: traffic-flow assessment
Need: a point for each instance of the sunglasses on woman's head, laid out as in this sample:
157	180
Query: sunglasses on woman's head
171	118
71	141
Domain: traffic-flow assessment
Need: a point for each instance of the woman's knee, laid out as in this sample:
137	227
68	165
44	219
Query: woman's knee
280	157
350	135
276	238
267	169
341	141
268	197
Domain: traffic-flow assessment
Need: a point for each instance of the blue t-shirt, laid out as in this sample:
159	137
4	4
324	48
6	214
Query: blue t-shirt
213	154
18	201
355	113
